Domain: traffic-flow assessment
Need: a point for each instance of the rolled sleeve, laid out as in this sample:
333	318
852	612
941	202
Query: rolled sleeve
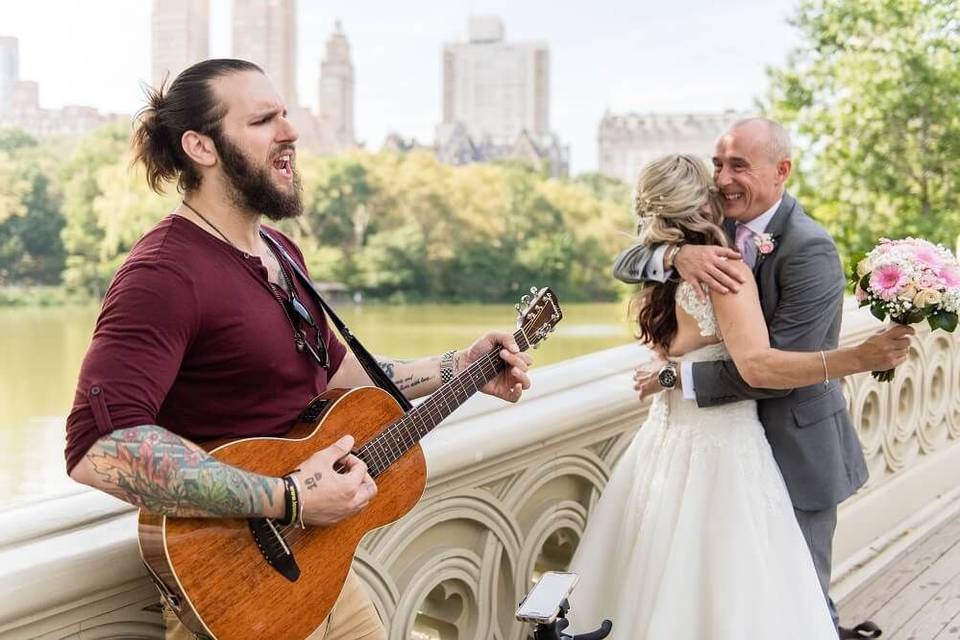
148	319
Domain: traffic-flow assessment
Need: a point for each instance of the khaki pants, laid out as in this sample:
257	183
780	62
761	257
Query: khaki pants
353	617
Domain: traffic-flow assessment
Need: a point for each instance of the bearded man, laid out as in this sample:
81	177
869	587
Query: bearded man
206	332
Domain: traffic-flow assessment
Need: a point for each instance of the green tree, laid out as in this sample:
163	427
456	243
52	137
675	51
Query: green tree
871	95
88	270
31	251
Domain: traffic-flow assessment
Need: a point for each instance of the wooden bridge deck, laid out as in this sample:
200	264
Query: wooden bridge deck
917	597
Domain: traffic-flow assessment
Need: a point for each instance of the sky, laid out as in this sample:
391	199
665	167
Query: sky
640	56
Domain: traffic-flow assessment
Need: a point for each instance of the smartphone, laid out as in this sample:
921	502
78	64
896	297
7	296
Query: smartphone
542	604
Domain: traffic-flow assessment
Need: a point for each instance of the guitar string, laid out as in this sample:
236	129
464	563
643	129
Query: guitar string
487	366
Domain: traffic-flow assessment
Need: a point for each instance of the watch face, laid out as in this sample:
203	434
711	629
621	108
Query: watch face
667	377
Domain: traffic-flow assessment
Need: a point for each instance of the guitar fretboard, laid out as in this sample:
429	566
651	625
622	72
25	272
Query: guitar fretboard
400	436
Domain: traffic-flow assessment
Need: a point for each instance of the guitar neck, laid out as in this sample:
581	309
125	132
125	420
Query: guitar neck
399	437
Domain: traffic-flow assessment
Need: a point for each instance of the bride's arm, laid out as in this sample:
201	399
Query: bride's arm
744	331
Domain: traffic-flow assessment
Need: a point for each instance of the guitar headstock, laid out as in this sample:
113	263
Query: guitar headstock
539	314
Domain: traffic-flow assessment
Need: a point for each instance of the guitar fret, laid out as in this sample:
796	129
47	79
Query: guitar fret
400	436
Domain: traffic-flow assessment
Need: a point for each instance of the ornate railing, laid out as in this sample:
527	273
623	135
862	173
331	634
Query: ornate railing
509	492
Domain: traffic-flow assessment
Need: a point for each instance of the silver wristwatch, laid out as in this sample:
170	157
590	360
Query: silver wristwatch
669	375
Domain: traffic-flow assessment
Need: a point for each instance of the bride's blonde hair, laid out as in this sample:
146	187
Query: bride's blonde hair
675	202
669	202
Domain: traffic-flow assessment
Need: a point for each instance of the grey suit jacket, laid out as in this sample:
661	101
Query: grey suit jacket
801	286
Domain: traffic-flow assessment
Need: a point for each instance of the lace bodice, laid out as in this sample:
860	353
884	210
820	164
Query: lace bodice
702	312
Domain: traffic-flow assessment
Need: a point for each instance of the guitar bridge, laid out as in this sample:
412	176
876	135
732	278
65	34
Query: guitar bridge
274	548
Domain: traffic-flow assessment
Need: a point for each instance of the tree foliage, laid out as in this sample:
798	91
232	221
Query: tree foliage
401	227
871	95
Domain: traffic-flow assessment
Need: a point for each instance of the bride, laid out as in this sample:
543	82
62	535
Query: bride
695	537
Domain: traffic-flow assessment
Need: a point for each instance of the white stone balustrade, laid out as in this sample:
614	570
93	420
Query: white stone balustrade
508	495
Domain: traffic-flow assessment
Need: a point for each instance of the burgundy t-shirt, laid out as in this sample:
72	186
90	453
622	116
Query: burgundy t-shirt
191	337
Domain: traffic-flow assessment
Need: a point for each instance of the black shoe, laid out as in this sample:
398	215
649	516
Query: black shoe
865	629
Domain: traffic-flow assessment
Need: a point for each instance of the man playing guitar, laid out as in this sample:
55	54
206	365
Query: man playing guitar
206	333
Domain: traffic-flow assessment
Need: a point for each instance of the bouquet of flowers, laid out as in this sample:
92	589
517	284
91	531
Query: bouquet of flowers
909	281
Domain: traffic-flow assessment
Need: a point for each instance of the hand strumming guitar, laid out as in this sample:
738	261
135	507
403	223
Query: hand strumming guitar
329	495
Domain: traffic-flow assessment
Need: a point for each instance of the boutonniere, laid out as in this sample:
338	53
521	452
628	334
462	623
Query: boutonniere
765	244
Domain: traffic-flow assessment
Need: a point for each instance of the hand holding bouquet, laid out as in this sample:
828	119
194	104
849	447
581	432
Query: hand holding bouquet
909	281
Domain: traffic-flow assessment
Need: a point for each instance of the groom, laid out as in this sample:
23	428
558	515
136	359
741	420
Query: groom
801	284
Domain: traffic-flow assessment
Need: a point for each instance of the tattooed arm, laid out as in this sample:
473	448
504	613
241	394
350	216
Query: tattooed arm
157	470
154	469
414	378
417	378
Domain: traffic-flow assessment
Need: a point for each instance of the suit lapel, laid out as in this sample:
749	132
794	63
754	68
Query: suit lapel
775	229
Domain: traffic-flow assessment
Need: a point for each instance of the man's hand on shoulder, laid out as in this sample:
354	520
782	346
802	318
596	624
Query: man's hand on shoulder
708	265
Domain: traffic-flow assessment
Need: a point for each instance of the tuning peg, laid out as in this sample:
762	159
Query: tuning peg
524	300
517	307
533	290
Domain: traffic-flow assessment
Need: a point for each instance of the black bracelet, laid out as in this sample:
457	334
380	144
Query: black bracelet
291	502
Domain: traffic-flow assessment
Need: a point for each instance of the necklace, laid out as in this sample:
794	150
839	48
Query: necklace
286	285
215	228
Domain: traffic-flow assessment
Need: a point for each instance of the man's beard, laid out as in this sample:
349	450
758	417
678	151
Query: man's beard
252	189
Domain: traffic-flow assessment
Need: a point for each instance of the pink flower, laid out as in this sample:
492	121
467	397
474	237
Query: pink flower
950	276
926	255
887	280
764	243
929	280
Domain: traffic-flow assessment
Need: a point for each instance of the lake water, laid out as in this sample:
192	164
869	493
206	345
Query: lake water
42	349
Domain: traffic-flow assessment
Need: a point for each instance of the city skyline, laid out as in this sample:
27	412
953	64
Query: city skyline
689	56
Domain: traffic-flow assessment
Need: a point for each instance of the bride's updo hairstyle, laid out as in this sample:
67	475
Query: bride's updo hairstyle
675	202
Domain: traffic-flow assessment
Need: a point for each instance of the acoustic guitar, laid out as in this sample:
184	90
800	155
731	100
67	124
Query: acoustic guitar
252	578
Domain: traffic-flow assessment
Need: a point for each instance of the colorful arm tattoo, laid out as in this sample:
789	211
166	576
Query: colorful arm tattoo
161	472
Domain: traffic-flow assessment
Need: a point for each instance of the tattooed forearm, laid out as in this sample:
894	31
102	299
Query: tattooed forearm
387	366
390	366
411	383
161	472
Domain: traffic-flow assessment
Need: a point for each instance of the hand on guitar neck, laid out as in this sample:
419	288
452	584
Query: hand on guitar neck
334	484
510	382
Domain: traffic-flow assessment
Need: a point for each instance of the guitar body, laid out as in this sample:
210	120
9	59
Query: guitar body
211	570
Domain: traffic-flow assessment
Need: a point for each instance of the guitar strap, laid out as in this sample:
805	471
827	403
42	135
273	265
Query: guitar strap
367	361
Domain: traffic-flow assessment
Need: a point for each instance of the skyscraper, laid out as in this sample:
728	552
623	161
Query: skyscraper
9	71
336	89
180	36
265	32
496	88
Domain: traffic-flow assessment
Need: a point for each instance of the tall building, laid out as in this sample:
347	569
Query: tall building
496	101
179	36
628	141
497	89
336	90
9	71
20	103
265	32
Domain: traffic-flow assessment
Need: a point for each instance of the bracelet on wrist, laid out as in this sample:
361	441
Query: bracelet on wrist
446	366
671	256
300	496
292	508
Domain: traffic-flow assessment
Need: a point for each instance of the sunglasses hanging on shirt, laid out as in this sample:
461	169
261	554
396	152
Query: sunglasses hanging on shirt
301	320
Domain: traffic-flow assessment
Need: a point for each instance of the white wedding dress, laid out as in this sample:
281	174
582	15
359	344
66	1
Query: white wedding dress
694	537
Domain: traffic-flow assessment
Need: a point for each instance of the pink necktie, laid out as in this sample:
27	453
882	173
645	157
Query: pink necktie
745	245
